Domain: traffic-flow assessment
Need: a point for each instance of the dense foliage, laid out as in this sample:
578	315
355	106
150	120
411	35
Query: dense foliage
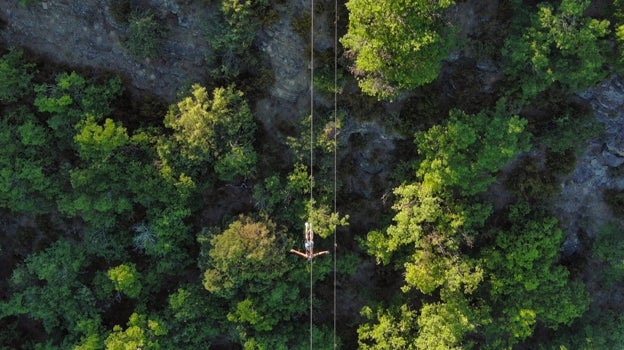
396	44
174	231
217	131
145	35
559	45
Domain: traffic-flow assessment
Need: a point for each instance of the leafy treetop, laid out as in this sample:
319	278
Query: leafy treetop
559	45
15	76
218	131
396	44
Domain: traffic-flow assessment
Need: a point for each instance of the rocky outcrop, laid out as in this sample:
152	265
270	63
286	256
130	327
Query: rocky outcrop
367	160
580	206
285	49
84	34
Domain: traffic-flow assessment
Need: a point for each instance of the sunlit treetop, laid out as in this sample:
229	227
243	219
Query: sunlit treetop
396	44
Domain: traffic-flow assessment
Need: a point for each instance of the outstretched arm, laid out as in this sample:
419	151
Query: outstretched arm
299	253
320	253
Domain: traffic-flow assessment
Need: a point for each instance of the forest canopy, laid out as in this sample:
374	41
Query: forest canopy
128	220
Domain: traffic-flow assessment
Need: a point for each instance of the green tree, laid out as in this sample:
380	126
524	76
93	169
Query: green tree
15	76
97	142
437	214
466	151
117	174
244	253
49	289
282	199
443	325
324	220
169	227
287	199
438	325
99	195
394	328
599	328
556	45
71	99
100	184
218	131
525	282
26	184
193	317
142	333
619	35
438	220
145	35
396	44
246	265
618	23
92	338
126	279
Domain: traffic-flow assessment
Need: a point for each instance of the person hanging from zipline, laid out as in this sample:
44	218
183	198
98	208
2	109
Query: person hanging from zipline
308	244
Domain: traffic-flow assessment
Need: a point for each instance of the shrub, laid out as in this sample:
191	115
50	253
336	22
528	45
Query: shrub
555	45
145	36
530	182
24	3
561	163
232	38
570	131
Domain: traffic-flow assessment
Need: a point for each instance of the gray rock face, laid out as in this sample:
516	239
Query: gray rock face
580	206
285	49
83	33
368	156
607	100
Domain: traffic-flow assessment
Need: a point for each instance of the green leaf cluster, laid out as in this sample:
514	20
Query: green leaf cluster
245	266
126	279
608	248
466	151
526	284
232	37
71	99
394	329
460	157
49	288
145	35
559	44
15	76
396	44
217	131
25	183
194	317
142	333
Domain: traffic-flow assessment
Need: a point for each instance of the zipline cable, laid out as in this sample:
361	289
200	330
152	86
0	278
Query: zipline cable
311	151
335	150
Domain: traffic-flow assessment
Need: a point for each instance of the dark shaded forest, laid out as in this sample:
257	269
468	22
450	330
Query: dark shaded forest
137	217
